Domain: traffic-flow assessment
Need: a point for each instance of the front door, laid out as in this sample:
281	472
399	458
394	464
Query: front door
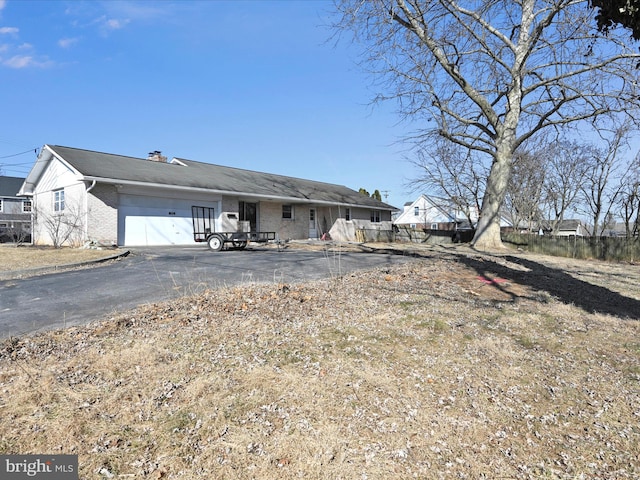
313	225
249	212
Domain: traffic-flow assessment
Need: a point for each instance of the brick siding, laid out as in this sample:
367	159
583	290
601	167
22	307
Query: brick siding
102	214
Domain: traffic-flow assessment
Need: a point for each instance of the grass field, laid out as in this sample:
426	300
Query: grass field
455	366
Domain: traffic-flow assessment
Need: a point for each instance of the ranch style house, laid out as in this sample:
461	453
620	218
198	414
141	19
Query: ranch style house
79	196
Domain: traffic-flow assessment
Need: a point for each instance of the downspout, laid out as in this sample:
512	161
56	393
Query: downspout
86	210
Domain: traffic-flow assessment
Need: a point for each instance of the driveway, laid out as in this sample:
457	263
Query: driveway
150	275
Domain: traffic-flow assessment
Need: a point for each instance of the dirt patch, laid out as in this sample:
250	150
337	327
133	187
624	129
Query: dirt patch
595	286
457	365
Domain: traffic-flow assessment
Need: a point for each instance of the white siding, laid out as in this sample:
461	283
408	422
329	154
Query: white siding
59	177
427	214
56	176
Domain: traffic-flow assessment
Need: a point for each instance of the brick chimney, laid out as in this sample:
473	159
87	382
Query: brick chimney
156	156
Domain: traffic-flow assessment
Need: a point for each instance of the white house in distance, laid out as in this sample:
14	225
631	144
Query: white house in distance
81	195
572	228
431	213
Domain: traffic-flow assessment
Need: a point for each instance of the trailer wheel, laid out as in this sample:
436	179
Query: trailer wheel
239	244
215	243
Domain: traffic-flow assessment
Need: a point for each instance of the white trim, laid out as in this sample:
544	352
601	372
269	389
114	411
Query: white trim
47	154
292	200
59	202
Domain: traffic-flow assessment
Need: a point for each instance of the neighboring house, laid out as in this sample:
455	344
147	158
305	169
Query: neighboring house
571	228
432	213
617	229
81	195
15	212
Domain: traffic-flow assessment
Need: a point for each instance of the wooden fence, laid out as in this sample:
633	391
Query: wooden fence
601	248
364	235
429	237
414	235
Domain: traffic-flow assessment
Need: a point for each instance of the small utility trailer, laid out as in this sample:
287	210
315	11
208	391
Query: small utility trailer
235	233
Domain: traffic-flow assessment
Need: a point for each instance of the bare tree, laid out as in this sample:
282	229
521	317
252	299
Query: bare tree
524	192
63	227
450	171
19	232
492	74
629	202
566	163
605	179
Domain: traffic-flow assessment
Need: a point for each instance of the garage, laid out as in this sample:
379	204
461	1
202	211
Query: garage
154	221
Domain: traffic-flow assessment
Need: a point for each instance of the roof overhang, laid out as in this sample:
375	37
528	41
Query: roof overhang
162	186
47	155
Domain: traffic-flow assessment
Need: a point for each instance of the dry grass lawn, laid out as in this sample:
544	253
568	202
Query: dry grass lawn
27	257
455	366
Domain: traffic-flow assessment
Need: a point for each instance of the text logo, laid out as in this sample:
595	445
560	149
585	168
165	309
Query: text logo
49	467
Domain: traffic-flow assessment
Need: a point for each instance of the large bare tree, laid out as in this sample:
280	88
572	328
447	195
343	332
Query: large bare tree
490	74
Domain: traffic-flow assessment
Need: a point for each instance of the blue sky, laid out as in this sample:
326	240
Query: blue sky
250	84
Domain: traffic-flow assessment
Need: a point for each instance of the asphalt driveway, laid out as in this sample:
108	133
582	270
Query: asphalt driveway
150	275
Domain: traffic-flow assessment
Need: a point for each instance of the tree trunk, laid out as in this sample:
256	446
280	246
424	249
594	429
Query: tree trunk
487	235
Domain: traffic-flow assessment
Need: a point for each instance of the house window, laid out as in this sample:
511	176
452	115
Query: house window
416	211
58	200
375	216
347	214
434	226
26	206
287	212
1	204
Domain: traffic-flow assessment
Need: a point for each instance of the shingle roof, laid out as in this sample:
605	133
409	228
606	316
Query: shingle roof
569	224
9	186
199	175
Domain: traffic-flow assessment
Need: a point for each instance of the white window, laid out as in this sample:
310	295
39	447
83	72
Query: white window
1	204
347	214
416	211
26	206
58	200
287	212
375	216
434	226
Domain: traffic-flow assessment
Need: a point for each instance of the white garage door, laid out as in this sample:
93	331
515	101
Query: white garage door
151	221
